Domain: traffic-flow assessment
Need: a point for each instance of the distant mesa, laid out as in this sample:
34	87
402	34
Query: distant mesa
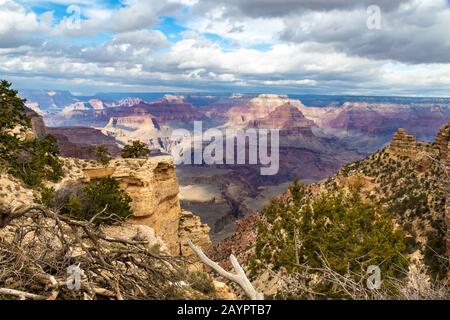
142	128
286	117
258	108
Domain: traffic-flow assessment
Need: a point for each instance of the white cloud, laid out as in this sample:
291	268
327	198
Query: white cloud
134	15
324	46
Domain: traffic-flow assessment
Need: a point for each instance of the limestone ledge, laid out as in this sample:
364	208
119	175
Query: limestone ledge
153	187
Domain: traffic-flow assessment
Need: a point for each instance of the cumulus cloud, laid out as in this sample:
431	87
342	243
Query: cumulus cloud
263	45
18	26
279	8
406	34
133	15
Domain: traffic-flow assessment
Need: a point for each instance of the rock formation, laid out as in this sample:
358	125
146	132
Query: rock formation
38	129
76	141
442	142
191	228
139	127
258	108
287	118
153	187
403	143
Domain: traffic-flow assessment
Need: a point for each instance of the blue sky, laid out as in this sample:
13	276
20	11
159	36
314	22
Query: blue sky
284	46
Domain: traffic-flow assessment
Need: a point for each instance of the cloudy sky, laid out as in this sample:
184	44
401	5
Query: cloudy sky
384	47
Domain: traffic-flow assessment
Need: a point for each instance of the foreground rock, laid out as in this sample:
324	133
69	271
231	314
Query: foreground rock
153	187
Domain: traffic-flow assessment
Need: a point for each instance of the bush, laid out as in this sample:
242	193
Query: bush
348	232
136	150
201	282
35	160
102	199
101	154
31	160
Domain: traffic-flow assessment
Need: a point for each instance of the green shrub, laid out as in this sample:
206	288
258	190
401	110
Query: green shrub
101	154
201	282
135	150
35	160
102	196
348	232
12	108
31	160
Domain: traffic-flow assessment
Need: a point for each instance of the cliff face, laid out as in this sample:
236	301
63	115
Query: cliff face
76	141
192	228
443	144
37	129
127	129
286	118
153	187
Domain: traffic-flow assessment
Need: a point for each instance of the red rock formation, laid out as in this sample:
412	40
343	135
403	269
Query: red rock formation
376	119
164	111
288	119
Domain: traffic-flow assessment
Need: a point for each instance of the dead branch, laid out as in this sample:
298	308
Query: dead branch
240	277
37	245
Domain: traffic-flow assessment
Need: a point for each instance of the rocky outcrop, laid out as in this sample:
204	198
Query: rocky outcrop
153	187
139	127
258	108
38	129
442	140
403	143
442	143
191	228
288	119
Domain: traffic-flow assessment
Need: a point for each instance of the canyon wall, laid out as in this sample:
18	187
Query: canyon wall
404	144
153	187
442	142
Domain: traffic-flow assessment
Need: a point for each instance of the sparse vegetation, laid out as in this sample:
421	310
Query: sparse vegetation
338	229
100	201
101	154
136	149
29	159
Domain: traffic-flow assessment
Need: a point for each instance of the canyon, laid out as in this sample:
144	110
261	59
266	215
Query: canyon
318	135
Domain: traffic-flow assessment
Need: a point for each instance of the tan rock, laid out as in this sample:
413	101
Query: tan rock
191	228
153	187
223	292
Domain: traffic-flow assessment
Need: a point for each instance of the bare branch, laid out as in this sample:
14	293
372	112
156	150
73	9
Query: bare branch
240	277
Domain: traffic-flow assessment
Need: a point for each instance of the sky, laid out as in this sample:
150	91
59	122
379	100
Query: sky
352	47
